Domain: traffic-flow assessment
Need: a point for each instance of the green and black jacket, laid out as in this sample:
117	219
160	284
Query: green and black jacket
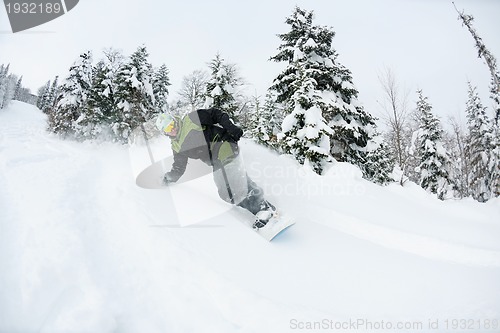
205	134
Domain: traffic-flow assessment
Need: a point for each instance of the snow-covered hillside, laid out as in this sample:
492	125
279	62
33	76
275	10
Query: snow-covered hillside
83	249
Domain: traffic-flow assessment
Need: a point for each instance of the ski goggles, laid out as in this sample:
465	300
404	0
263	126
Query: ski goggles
165	123
168	129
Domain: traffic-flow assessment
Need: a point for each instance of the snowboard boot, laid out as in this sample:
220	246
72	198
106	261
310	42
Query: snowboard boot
264	215
166	180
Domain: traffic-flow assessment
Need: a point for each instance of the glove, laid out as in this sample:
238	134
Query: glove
236	133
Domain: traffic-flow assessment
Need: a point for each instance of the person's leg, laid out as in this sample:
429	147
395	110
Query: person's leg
234	186
254	201
231	181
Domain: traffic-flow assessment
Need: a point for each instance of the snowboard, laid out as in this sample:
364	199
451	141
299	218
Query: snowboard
274	227
152	178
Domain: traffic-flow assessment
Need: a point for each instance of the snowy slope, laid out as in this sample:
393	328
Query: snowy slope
83	249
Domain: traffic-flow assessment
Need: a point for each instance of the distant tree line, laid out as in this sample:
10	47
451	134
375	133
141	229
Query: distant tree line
311	111
11	88
107	99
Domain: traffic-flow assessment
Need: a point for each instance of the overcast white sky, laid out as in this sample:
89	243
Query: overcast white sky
420	40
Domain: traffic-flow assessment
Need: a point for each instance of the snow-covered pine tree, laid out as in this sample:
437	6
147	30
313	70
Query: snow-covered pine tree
459	169
102	99
18	89
495	161
252	119
491	62
266	121
307	50
43	94
434	162
414	155
52	95
489	59
245	110
4	73
381	162
4	70
95	114
305	134
161	82
8	84
71	104
134	94
479	147
10	87
495	96
273	115
221	87
494	165
47	95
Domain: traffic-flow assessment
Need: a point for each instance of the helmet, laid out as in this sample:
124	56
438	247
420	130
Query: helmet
165	123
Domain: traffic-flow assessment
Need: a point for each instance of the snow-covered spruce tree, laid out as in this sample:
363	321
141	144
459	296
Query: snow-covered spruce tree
161	82
10	86
4	81
135	96
18	89
491	62
255	121
479	148
221	87
71	104
434	162
495	162
47	95
414	154
266	121
494	165
459	169
102	98
273	116
305	134
4	70
307	51
381	162
255	106
50	96
489	59
100	103
43	94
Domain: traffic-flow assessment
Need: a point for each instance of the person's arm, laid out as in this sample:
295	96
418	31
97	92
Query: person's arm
216	116
178	168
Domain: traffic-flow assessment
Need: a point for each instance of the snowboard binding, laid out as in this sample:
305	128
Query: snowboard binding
267	212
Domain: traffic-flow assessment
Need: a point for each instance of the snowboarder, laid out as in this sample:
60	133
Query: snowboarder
210	135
